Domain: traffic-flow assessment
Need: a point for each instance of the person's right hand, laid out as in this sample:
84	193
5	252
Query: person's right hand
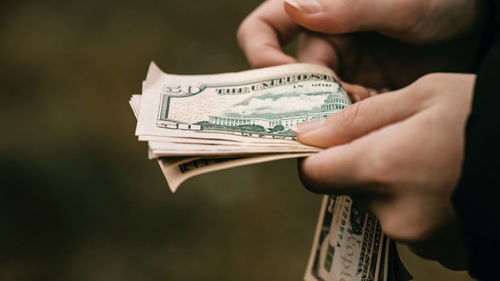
405	39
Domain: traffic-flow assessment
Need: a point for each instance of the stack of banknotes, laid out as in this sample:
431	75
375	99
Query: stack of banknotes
196	124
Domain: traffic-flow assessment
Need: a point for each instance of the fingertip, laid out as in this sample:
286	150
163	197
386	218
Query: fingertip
315	133
303	128
308	175
333	170
339	128
358	92
302	17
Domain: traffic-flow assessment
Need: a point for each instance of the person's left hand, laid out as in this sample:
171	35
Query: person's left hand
399	155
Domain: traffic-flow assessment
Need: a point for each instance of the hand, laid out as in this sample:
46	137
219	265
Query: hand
399	155
374	59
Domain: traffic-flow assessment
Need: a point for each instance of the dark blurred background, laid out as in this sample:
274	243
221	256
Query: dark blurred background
78	198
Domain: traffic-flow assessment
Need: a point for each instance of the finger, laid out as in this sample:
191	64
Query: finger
360	119
334	170
320	49
342	16
360	168
262	34
352	169
358	93
316	49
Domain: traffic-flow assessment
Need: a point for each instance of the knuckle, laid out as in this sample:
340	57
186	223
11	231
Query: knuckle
425	79
428	82
403	232
407	220
424	89
396	227
377	171
254	56
241	32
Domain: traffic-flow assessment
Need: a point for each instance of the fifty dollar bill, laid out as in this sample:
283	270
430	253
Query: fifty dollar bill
204	123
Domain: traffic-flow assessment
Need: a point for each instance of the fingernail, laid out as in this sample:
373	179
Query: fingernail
373	93
307	6
306	127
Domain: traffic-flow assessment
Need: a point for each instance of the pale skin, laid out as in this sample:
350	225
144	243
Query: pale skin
366	57
398	154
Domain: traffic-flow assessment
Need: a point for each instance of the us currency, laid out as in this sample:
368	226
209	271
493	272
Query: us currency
248	112
204	123
348	244
179	169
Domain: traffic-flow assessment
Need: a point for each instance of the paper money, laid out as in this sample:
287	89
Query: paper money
178	169
254	110
348	244
204	123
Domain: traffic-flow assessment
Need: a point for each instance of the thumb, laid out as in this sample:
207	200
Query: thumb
345	16
358	119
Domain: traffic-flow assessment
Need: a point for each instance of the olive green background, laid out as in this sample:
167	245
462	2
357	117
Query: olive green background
78	198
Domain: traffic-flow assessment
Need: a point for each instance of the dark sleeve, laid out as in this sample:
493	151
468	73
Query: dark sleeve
477	196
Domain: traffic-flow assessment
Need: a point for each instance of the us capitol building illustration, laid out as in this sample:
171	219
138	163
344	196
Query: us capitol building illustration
331	105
